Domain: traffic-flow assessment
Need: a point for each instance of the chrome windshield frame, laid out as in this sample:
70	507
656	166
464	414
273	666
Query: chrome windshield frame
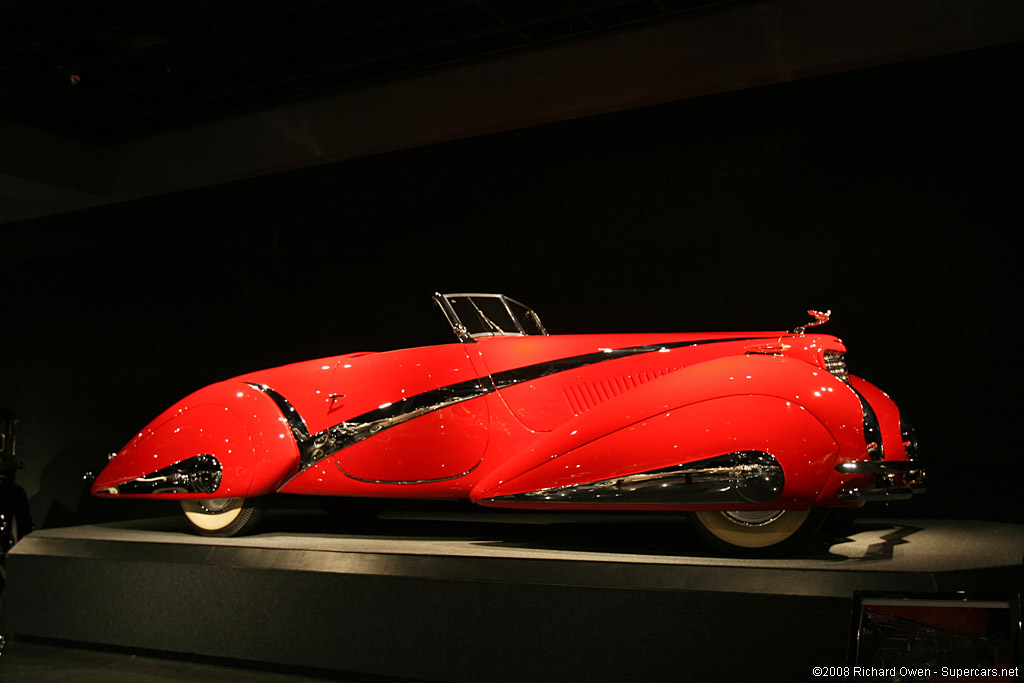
463	333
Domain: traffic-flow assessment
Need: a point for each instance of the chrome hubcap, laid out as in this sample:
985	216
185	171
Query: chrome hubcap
214	505
753	517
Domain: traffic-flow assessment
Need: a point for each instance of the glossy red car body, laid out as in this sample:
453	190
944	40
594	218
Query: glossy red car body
744	422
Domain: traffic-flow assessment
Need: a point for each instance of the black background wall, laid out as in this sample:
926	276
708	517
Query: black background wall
890	195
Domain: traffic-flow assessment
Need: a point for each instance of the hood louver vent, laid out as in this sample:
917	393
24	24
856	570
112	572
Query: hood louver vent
583	397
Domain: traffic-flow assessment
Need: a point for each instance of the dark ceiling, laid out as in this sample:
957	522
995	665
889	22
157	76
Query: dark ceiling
111	70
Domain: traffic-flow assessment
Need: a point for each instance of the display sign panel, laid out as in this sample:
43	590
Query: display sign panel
936	636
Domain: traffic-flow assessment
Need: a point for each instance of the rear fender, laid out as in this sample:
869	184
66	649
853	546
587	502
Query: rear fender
236	425
788	400
718	427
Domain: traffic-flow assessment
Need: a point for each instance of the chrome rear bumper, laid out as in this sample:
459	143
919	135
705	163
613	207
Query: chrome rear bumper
894	480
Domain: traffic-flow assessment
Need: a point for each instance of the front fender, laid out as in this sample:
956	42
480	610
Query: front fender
251	447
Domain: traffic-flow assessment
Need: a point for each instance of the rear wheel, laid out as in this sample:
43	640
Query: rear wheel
757	532
222	516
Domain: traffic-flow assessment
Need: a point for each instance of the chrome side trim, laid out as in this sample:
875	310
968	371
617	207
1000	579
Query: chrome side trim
416	481
291	416
199	474
315	447
741	477
538	370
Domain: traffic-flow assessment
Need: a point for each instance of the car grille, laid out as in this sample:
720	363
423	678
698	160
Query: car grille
835	363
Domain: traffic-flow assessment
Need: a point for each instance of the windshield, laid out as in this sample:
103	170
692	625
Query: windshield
488	315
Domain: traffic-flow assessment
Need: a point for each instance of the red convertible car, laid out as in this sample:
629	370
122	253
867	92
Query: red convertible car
757	435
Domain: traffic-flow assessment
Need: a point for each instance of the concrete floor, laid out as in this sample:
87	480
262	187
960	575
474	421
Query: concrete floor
42	662
873	547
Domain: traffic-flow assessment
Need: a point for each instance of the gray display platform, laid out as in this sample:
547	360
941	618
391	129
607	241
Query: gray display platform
487	596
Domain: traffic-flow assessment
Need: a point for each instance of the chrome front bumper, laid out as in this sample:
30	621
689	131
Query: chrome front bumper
894	480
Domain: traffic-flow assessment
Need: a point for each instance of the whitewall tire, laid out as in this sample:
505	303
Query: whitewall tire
757	532
222	516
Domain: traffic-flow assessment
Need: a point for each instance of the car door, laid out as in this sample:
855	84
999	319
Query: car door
418	415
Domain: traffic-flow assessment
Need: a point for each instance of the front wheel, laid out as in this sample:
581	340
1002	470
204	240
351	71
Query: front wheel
757	532
222	516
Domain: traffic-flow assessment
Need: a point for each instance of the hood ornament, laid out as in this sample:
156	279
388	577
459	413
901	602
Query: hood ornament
819	318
